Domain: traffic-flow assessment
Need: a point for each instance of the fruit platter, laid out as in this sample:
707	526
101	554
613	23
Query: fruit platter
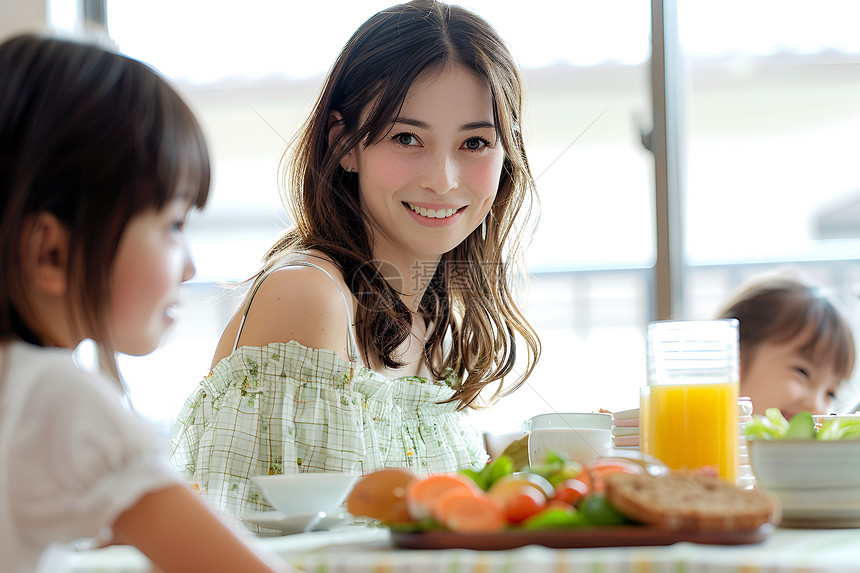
606	502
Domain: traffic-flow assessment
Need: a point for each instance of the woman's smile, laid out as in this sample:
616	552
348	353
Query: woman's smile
437	216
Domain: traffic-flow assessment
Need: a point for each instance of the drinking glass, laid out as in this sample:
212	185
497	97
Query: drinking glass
689	410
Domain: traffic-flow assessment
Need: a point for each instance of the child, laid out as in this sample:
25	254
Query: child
387	308
796	347
100	163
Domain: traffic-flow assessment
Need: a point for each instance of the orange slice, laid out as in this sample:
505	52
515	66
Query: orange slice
423	493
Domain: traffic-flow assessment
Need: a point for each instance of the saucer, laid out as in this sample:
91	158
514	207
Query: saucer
290	523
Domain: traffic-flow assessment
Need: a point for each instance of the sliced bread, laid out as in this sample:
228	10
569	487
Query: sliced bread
689	502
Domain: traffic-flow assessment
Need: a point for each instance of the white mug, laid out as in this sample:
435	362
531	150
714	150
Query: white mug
580	435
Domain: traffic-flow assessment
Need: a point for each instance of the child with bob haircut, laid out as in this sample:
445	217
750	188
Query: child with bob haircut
796	346
382	314
100	163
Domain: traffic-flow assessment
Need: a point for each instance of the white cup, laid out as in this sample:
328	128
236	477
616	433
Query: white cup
580	435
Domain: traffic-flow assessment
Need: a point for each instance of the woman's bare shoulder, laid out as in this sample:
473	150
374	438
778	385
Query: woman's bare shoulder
318	259
301	303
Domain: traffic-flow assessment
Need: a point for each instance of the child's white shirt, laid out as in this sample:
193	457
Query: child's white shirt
73	458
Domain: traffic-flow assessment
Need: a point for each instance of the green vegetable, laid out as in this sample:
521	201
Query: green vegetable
774	426
491	473
598	511
476	477
498	469
555	519
801	427
770	427
839	430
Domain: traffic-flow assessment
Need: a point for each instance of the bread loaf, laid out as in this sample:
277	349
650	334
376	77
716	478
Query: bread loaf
689	502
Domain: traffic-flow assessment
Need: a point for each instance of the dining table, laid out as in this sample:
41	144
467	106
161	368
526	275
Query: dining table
358	548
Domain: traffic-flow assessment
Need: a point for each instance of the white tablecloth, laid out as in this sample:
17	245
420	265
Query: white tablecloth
361	549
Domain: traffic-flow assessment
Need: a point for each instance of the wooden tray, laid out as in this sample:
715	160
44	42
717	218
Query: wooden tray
621	536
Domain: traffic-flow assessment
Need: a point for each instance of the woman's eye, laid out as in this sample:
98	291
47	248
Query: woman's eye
802	371
407	139
476	143
178	225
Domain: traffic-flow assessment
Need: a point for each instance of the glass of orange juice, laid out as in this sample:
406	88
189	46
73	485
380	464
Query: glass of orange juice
689	410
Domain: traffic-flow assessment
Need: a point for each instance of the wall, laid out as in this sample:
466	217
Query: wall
21	15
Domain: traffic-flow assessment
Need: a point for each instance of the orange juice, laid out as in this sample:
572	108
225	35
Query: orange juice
692	425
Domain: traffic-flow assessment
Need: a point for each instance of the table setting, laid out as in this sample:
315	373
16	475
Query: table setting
600	493
360	548
348	544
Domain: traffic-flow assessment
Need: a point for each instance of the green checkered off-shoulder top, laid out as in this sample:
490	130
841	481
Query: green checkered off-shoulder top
286	408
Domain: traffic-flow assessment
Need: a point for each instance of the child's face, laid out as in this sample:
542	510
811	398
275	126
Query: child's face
779	376
152	260
442	154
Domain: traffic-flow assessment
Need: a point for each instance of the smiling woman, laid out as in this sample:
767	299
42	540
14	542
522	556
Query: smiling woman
375	322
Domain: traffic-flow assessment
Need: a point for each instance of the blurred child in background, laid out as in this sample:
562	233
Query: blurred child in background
796	345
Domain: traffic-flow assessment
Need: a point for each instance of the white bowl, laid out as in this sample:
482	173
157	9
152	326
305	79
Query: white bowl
805	463
581	436
306	492
817	482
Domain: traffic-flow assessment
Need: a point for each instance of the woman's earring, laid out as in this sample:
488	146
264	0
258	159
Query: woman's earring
484	229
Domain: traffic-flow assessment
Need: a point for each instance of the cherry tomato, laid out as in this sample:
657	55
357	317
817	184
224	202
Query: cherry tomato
571	491
524	504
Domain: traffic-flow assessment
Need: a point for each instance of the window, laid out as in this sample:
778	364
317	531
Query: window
772	140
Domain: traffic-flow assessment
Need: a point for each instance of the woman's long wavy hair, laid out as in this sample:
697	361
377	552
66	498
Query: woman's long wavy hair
470	294
93	138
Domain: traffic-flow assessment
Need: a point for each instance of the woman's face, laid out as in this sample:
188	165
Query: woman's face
779	376
431	180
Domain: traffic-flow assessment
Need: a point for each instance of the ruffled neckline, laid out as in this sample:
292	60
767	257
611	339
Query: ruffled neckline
330	360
